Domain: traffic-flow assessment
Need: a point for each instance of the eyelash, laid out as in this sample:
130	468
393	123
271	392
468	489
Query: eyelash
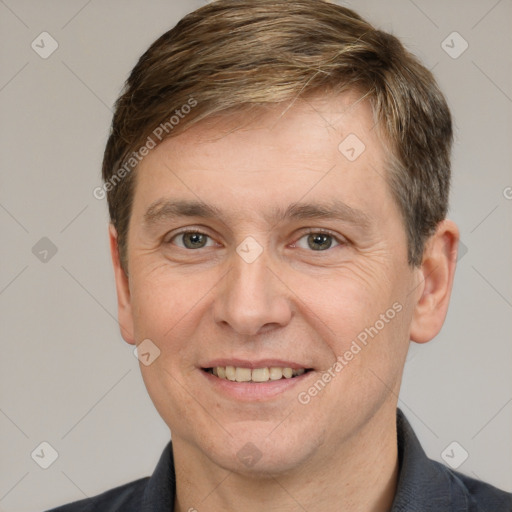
311	231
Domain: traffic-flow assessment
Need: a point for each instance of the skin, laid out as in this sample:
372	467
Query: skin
339	451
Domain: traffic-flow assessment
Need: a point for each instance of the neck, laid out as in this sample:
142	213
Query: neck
359	475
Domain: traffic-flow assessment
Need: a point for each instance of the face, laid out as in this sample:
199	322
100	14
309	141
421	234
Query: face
264	245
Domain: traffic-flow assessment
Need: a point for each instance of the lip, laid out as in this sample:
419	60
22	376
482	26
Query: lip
262	363
254	391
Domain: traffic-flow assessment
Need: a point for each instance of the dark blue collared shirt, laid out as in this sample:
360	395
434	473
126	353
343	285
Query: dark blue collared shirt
424	485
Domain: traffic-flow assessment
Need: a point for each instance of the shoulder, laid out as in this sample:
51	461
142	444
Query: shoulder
126	498
428	485
480	496
152	494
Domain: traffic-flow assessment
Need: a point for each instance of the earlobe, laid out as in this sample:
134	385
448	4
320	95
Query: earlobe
437	272
124	308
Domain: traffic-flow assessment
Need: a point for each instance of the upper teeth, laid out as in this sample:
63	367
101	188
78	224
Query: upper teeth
238	374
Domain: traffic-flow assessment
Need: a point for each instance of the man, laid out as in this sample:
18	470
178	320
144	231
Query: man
277	176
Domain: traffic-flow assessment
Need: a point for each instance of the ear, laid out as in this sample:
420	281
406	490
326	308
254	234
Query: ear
124	308
437	272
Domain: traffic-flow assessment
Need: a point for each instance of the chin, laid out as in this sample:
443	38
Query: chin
263	453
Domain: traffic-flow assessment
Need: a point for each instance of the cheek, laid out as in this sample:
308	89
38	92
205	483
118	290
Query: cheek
164	300
361	314
347	299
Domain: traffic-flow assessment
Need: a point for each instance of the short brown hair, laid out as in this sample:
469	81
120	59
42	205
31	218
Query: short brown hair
234	54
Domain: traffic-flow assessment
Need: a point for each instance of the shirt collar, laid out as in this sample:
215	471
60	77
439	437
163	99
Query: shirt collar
422	483
161	487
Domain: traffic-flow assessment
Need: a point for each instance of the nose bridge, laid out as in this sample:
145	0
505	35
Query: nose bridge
252	297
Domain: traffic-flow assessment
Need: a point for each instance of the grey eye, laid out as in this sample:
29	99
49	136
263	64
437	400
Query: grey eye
192	240
317	241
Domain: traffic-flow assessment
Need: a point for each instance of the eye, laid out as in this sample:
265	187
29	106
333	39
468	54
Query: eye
317	241
191	240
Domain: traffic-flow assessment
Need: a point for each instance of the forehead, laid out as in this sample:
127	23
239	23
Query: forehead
325	148
310	127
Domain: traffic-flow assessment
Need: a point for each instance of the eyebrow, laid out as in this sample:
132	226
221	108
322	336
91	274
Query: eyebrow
167	209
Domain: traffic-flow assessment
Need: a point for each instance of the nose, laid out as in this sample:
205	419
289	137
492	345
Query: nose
252	299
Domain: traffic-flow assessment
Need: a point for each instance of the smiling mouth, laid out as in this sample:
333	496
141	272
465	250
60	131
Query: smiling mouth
267	374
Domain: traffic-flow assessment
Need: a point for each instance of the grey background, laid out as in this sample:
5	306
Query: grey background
66	375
